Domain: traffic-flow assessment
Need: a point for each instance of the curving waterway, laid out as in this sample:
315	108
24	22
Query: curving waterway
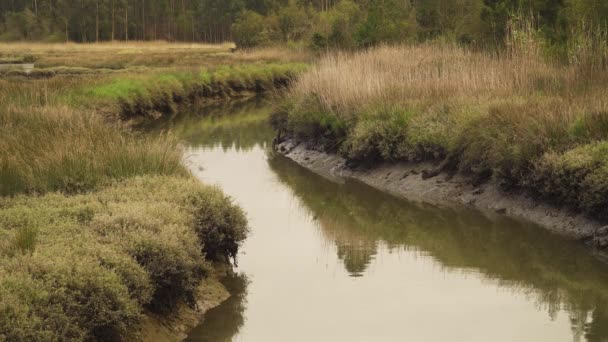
343	262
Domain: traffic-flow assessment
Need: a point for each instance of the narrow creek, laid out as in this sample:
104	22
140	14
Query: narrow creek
343	262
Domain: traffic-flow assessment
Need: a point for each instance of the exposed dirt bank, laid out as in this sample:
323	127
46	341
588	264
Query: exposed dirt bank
406	180
210	294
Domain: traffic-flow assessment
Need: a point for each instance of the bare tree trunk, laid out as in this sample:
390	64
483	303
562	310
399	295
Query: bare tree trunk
192	21
126	22
143	19
112	20
97	22
67	34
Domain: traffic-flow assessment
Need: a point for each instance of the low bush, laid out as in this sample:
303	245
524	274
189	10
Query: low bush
578	177
379	135
221	224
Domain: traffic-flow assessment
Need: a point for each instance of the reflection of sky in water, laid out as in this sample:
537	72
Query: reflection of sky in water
328	262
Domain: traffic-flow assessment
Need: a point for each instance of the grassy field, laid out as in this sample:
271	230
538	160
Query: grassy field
124	55
99	223
526	122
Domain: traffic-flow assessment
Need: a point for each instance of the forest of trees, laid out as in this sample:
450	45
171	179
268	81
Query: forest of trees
319	23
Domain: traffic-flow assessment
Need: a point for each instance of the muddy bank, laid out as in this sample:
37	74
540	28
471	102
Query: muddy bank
406	180
210	293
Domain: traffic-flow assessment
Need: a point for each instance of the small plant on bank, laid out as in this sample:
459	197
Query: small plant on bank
25	239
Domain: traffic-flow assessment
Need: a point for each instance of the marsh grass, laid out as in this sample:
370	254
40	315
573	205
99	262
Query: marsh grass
124	56
483	113
63	133
61	149
160	93
103	258
100	223
25	239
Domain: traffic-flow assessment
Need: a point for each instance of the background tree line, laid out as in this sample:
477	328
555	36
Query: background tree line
320	23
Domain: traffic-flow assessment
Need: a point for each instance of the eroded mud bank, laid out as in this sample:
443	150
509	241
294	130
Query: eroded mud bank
406	180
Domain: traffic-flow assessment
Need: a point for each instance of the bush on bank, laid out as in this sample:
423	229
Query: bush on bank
99	260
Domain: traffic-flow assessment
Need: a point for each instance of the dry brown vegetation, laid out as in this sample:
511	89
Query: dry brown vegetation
124	56
428	74
515	116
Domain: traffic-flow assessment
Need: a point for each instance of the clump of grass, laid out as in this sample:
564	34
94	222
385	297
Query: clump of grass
105	257
25	239
507	116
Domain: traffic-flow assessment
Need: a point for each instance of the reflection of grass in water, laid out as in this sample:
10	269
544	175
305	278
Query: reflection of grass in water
223	322
556	273
241	124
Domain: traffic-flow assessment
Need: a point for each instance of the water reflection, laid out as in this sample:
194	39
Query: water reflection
241	124
344	262
555	273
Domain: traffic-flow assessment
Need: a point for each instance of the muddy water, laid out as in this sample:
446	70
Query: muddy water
342	262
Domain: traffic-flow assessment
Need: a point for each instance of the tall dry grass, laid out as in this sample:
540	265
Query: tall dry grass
130	55
61	149
109	47
346	82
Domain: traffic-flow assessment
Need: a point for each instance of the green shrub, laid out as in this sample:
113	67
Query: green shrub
64	297
380	135
219	223
578	177
174	262
250	30
307	121
509	139
104	257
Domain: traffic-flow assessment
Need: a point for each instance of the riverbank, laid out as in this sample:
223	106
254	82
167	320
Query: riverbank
407	180
105	234
514	121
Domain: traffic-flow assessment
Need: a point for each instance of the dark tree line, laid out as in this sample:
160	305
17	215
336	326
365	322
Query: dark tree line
342	23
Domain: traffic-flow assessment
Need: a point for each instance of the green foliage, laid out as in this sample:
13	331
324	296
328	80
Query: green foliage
386	22
220	223
293	22
379	135
250	30
509	138
322	24
578	177
152	96
308	121
338	26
